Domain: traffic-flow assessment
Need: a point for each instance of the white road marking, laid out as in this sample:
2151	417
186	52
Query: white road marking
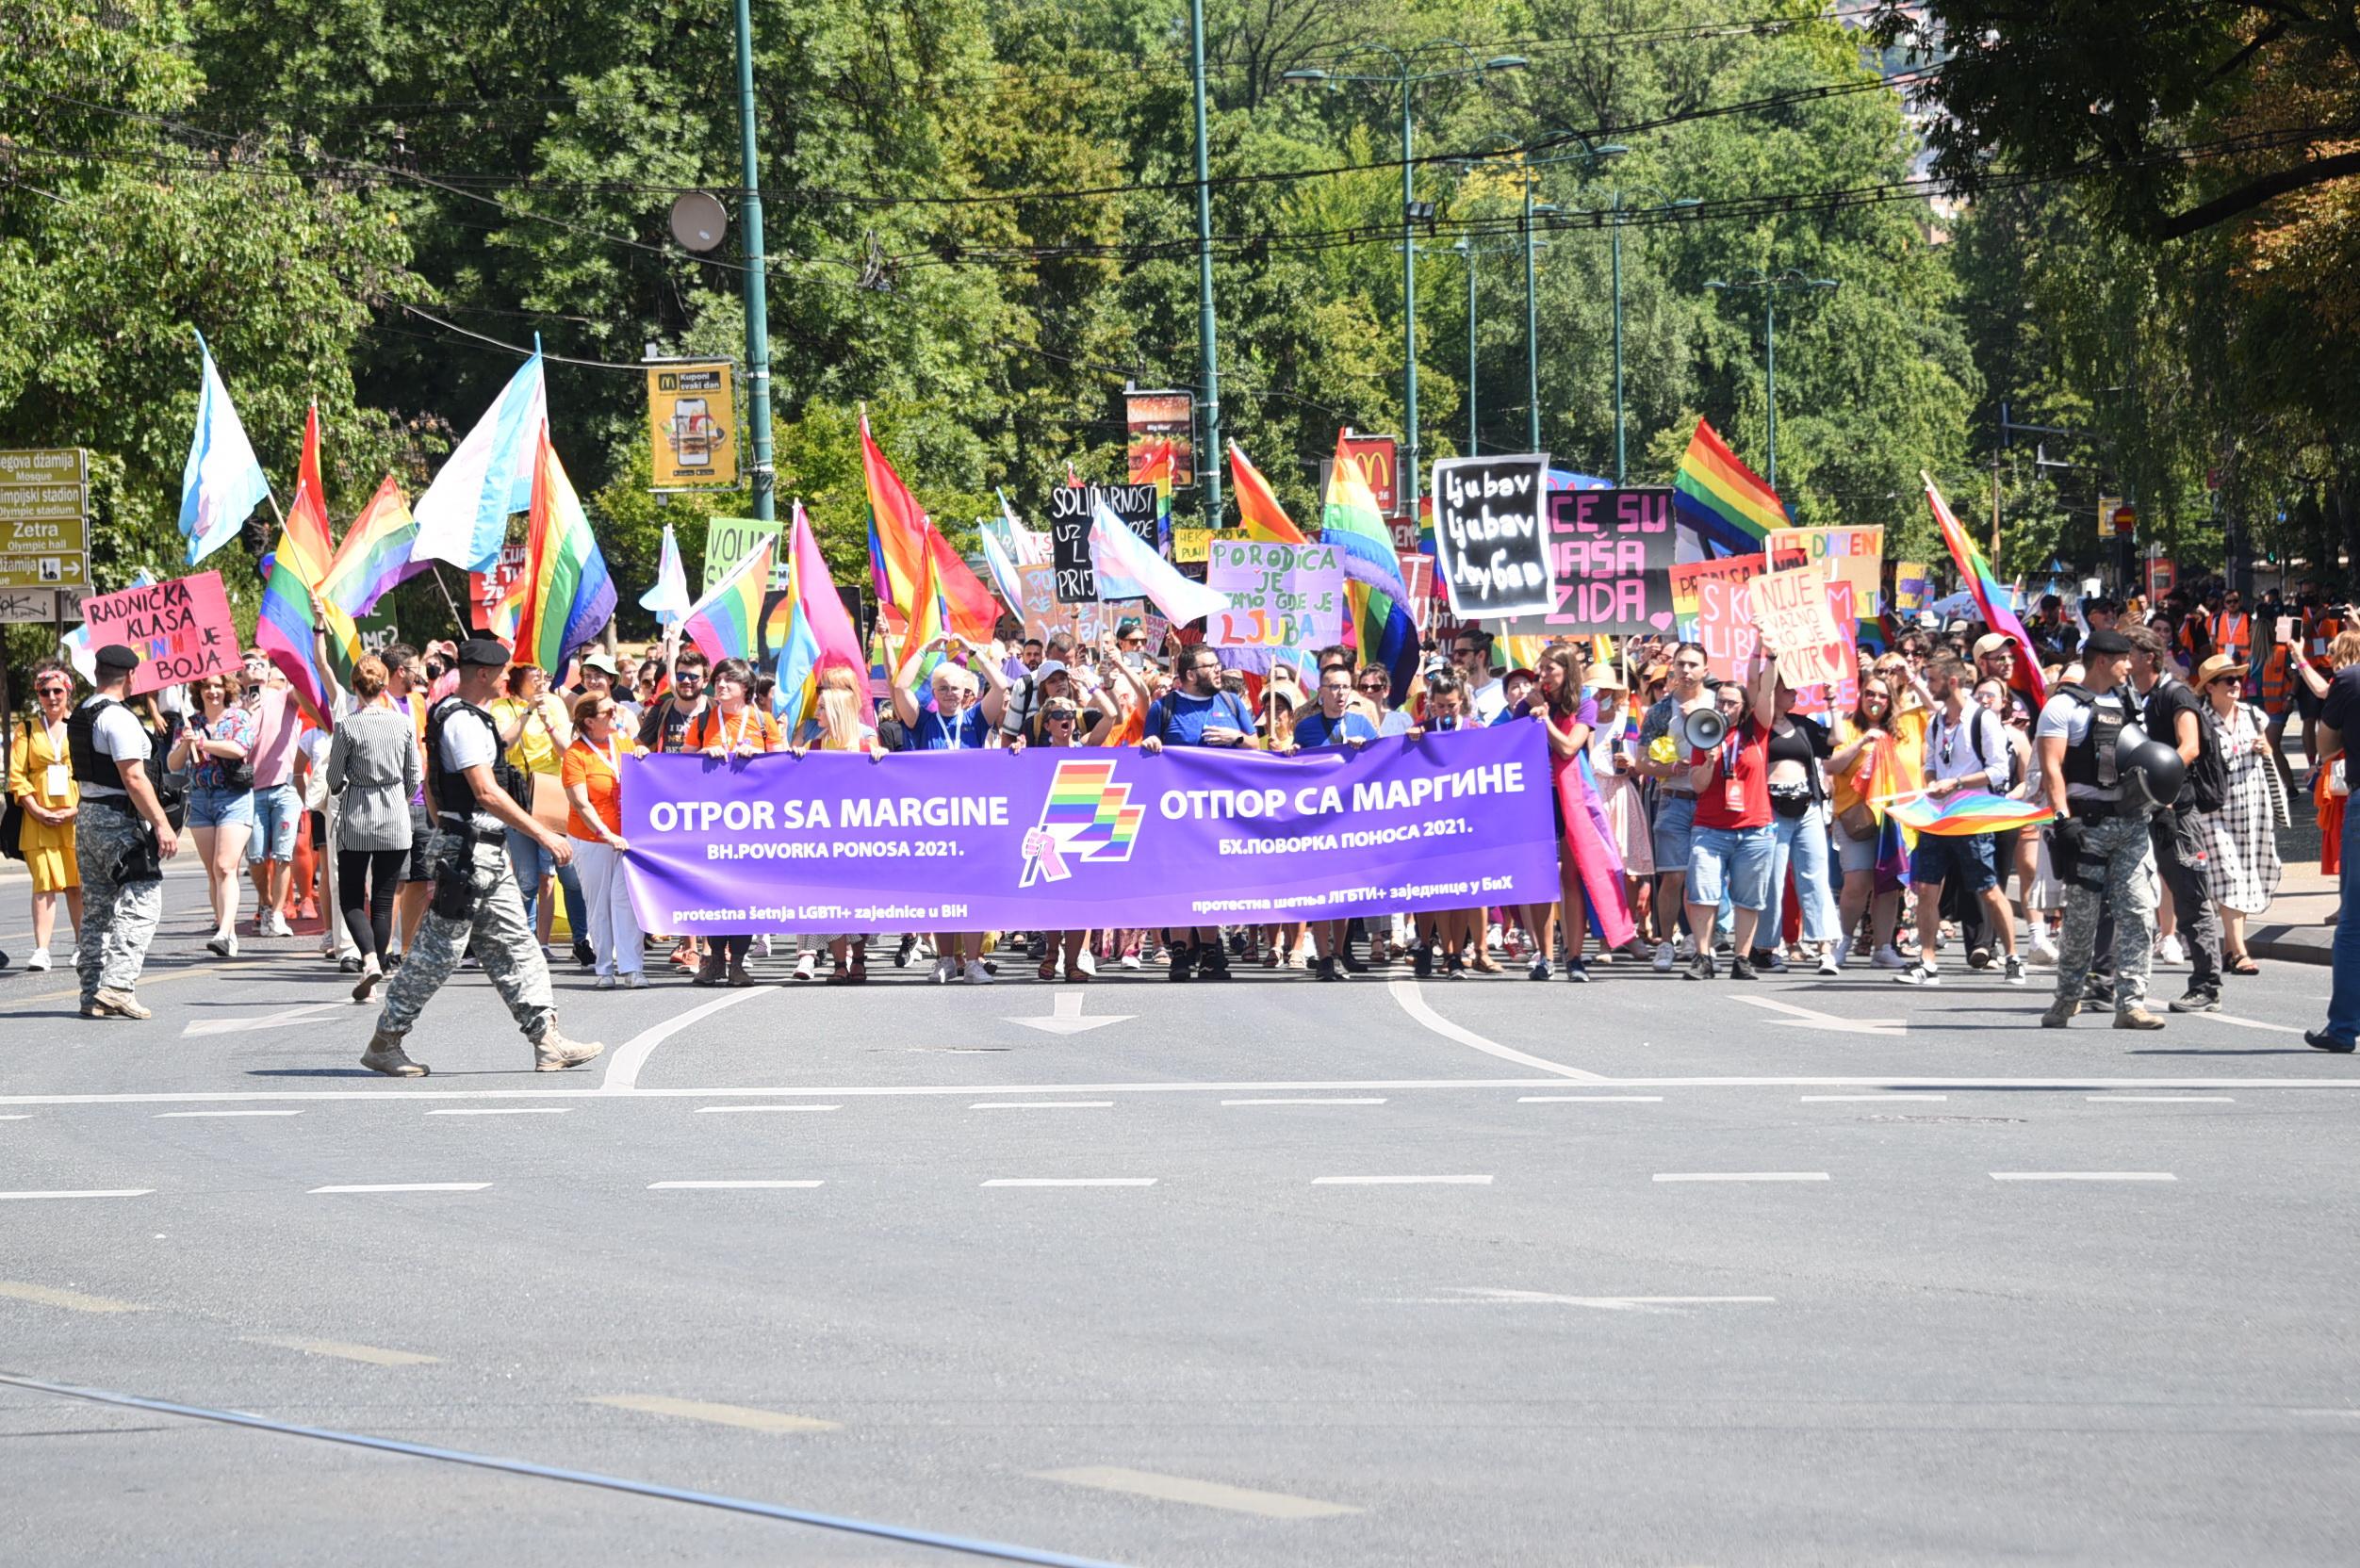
1469	1296
1043	1105
623	1064
1405	990
1303	1101
88	1192
20	1116
1837	1098
2254	1023
1741	1176
1180	1489
408	1186
503	1110
167	1116
1589	1100
1065	1016
283	1020
1070	1181
371	1354
2160	1099
724	1186
1812	1018
719	1415
2083	1176
1401	1180
73	1301
729	1110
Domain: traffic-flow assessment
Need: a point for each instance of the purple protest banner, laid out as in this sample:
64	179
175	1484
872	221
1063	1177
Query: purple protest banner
1059	839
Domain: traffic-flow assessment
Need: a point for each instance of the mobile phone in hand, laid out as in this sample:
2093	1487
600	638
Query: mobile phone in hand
2285	629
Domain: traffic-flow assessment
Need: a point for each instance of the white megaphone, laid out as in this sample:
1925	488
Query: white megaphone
1702	728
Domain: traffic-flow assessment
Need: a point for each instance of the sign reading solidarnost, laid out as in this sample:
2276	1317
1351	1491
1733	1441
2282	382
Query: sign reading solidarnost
1052	837
1070	510
1610	560
1490	548
181	629
689	419
730	539
1280	595
1688	580
1853	555
1790	607
1908	587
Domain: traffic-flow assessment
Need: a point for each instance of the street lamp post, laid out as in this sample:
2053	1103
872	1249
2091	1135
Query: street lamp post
1589	155
1616	208
1469	251
1769	284
762	476
1208	350
1407	81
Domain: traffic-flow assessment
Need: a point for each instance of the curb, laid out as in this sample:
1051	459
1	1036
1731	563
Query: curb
2292	944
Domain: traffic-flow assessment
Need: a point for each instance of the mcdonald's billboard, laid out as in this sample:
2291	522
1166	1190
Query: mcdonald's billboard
1380	458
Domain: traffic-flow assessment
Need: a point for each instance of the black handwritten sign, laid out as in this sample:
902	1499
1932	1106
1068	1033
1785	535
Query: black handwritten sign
1070	510
1610	560
1490	546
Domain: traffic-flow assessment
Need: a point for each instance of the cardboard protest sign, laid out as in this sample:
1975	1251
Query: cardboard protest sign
1843	695
1192	545
1724	624
181	629
488	591
1490	548
1070	508
1908	587
1044	613
1687	581
730	539
1791	609
1610	554
1280	595
1853	555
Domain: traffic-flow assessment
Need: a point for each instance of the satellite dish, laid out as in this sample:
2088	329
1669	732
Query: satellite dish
698	222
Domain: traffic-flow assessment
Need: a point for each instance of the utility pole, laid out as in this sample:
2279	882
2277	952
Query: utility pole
1212	455
762	476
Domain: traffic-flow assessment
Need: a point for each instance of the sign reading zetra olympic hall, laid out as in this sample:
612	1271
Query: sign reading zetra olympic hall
1055	839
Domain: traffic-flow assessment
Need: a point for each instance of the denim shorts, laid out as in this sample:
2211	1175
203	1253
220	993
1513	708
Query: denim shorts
1734	859
1854	854
1675	820
422	865
220	808
276	810
1964	859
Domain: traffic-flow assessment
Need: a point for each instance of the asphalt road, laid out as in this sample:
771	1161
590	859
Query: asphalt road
1270	1273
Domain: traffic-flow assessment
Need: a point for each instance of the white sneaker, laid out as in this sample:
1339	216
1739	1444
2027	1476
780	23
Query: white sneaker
1089	963
1664	954
1829	963
806	966
1889	957
635	981
39	962
1492	939
1843	953
603	983
764	941
2044	948
945	971
1130	960
274	924
977	973
2169	951
1919	975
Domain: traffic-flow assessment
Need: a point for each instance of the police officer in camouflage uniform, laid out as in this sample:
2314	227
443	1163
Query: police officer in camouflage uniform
122	838
2103	857
475	795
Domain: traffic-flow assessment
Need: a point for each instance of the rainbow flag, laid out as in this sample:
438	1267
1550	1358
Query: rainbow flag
1086	816
1726	501
726	623
1379	624
930	619
818	633
1257	509
1986	589
903	540
288	627
1966	812
375	555
568	595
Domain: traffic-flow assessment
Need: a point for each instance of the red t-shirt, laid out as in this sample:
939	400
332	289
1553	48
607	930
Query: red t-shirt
1750	743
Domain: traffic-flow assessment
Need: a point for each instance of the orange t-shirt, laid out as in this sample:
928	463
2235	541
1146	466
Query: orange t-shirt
708	729
586	765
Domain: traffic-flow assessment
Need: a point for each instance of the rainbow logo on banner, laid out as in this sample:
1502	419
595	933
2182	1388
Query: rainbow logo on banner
1086	816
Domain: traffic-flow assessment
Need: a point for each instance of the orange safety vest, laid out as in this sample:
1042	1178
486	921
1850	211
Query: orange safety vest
2232	634
2276	680
2324	631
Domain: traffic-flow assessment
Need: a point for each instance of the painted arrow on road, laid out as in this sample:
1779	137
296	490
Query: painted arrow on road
268	1020
1066	1017
1811	1018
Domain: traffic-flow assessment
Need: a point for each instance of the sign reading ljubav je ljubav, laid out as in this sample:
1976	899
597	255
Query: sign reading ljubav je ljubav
1490	547
1050	838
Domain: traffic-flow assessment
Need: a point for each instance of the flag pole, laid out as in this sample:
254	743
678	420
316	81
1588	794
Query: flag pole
456	617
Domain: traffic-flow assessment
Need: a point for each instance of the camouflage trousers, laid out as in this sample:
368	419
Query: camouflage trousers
504	942
2110	870
117	918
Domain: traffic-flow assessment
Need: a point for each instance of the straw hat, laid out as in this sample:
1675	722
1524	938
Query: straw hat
2213	668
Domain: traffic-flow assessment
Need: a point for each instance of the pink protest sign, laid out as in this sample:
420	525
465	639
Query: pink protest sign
1725	625
1790	607
181	629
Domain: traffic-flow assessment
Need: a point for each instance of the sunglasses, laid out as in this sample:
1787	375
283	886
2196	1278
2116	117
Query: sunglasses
1376	686
61	691
1062	716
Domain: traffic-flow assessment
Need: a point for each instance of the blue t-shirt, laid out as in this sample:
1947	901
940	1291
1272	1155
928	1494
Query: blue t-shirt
1319	730
967	732
1180	719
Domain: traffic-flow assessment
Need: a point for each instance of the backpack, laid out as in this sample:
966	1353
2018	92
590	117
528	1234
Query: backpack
2208	775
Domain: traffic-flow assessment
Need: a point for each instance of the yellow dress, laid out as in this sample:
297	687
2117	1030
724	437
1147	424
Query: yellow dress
49	851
